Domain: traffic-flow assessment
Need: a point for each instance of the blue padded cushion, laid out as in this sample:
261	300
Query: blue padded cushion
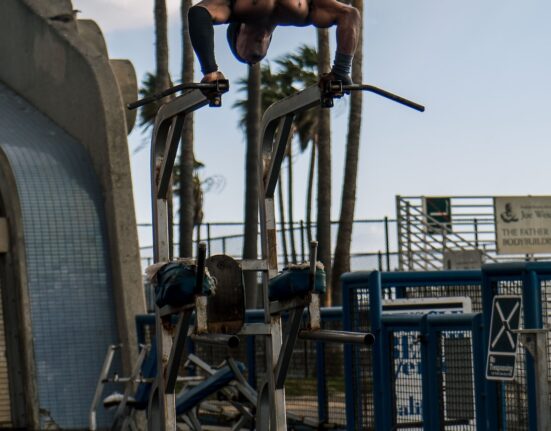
176	285
149	370
214	383
291	283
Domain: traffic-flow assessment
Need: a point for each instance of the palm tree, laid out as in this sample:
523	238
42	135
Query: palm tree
250	240
295	71
299	70
324	170
197	186
188	186
162	75
162	82
303	64
344	235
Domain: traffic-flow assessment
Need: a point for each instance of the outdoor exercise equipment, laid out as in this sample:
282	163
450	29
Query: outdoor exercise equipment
219	317
275	133
196	390
171	338
212	91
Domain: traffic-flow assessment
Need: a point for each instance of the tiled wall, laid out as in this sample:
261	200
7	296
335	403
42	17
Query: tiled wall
71	300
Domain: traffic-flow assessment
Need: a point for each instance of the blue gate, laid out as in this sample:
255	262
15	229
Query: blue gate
385	390
411	378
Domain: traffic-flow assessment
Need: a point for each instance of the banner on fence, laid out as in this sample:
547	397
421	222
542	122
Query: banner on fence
407	359
523	224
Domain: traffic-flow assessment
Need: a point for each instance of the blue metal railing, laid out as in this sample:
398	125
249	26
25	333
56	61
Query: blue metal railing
507	406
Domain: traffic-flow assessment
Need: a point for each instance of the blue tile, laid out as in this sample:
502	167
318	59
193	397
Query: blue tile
71	299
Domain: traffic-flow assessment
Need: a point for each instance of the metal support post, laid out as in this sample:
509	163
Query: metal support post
92	423
276	130
535	342
166	136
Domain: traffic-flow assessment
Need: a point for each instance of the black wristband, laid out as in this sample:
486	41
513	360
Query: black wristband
342	64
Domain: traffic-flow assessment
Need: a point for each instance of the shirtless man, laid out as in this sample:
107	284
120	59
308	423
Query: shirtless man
252	22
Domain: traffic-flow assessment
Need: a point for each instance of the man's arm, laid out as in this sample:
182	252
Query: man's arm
201	19
326	13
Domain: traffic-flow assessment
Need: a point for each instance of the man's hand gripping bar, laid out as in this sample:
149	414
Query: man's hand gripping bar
212	90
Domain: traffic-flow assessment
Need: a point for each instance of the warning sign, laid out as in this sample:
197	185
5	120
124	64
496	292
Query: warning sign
503	341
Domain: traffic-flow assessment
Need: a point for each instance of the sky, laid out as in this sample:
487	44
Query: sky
482	68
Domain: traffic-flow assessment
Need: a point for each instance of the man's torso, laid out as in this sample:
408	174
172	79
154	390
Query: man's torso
277	12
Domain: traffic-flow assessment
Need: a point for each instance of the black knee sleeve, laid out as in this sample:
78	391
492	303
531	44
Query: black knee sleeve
201	33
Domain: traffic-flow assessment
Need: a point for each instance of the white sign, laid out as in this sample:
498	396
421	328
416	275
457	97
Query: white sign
503	342
462	259
523	224
447	305
407	350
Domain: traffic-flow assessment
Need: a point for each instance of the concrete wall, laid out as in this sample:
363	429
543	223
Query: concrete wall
67	266
63	70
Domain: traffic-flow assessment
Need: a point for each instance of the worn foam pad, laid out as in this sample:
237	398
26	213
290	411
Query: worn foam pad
226	309
293	282
176	284
214	383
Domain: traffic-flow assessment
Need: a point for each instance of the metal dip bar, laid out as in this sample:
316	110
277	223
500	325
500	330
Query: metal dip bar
231	341
210	88
338	88
330	336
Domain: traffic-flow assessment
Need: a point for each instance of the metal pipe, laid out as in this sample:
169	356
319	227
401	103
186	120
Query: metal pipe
92	424
231	341
313	261
330	336
201	262
383	93
220	86
387	244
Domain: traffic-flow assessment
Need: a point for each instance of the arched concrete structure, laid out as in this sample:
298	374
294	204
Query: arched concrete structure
63	313
66	75
72	275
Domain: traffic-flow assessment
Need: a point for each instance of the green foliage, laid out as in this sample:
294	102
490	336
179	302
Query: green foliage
148	112
293	73
200	186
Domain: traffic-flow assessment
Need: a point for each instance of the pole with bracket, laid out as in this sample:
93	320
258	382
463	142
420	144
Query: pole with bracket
276	129
535	342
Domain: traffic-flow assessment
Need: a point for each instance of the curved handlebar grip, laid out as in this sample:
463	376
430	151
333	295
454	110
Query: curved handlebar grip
386	94
218	87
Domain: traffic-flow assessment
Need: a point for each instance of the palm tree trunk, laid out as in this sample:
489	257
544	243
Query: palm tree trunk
161	46
324	170
252	181
348	203
282	221
290	199
187	159
162	81
310	191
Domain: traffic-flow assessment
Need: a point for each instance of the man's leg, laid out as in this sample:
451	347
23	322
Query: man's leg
325	13
201	19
